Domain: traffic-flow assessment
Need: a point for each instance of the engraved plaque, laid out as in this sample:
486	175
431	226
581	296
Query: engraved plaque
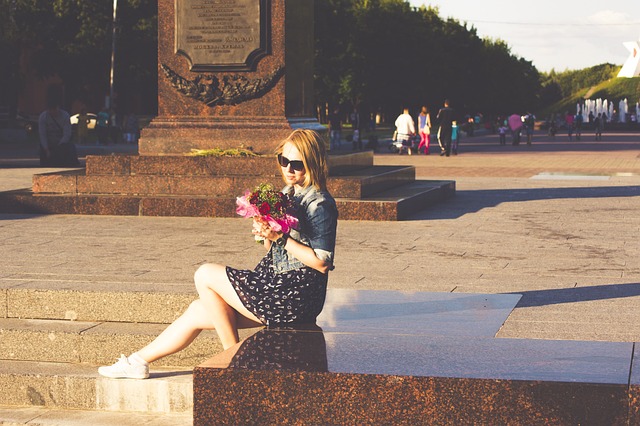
222	35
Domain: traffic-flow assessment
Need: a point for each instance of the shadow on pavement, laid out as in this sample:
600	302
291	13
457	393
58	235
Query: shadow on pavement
472	201
577	294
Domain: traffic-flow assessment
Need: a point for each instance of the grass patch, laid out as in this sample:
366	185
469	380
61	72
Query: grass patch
218	152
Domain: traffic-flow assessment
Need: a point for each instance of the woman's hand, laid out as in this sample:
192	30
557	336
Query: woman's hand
261	228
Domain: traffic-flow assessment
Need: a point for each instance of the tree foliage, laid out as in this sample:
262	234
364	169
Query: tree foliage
72	39
378	55
571	81
384	54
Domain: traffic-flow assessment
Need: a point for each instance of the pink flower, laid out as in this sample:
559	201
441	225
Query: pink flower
270	205
244	208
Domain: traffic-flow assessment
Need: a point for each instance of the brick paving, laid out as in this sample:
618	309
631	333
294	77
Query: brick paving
556	222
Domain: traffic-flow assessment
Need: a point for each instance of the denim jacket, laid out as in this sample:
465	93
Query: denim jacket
317	222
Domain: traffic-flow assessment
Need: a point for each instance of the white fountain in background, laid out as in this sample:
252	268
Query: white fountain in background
622	111
592	107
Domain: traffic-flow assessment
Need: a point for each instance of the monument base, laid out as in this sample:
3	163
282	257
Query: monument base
179	135
196	186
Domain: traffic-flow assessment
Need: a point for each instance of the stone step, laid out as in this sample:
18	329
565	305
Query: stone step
96	343
124	302
397	203
365	182
390	205
75	182
38	416
353	183
64	386
207	166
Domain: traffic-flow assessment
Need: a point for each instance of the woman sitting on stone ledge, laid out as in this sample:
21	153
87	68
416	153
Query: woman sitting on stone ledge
289	284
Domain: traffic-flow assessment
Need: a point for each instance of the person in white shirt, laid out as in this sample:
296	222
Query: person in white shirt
54	128
405	129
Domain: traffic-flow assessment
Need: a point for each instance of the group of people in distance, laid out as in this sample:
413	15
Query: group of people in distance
447	130
574	124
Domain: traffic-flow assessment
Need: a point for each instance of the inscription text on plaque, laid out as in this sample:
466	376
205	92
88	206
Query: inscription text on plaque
222	35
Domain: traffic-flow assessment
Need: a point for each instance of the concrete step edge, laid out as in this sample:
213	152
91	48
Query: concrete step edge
80	387
39	416
47	301
94	343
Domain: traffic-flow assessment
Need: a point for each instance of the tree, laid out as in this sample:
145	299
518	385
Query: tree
385	54
72	39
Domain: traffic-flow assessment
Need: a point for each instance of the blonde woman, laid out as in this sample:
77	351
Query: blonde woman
287	287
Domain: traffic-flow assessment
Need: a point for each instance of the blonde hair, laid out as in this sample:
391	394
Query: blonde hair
314	157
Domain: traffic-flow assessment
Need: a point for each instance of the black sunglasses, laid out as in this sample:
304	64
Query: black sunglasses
296	165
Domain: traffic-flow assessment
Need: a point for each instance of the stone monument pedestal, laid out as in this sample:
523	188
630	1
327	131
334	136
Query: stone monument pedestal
232	74
152	185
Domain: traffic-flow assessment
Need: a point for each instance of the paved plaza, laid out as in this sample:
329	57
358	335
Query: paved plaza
557	222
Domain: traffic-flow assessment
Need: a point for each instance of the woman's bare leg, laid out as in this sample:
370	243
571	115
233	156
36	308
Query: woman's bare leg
179	334
218	307
220	299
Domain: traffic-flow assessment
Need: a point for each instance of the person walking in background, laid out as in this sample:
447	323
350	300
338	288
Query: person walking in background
454	137
424	128
102	127
578	123
335	129
445	120
82	129
405	129
502	132
529	123
54	128
354	117
130	128
598	126
568	118
515	124
115	131
287	287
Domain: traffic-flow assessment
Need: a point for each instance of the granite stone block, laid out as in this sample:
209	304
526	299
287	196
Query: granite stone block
190	207
108	164
204	165
369	181
26	202
61	182
191	198
400	379
634	390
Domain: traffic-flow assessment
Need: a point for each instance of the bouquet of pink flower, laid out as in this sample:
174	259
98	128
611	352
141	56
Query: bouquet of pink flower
271	205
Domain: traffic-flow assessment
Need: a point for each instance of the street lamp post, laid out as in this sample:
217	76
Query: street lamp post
113	52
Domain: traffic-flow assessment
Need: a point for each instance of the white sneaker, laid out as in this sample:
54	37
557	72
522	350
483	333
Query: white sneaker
123	369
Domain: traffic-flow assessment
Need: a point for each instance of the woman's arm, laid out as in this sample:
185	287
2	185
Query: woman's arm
303	253
306	255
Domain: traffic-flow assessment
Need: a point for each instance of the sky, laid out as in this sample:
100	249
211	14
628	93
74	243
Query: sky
552	34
